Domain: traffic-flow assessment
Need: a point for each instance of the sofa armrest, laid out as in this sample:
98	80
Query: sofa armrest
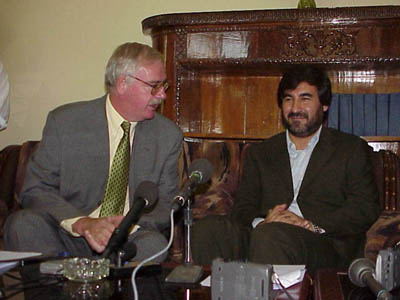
9	157
384	233
13	162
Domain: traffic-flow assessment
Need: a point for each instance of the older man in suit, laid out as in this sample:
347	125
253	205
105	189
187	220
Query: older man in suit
68	176
306	196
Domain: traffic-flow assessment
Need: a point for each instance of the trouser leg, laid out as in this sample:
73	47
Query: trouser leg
148	243
285	244
218	237
33	231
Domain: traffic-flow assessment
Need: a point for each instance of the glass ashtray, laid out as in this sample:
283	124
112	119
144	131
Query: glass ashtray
86	269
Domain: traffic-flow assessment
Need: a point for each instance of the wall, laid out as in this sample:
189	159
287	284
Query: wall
55	51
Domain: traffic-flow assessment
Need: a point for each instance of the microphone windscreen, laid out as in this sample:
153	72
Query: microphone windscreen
203	166
357	270
147	190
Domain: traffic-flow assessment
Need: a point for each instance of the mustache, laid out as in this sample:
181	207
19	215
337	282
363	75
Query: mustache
298	114
156	101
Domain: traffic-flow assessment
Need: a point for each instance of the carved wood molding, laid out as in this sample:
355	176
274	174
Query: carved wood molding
321	43
274	66
323	35
255	16
179	53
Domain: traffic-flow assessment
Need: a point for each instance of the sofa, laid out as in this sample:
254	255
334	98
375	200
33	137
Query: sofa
216	197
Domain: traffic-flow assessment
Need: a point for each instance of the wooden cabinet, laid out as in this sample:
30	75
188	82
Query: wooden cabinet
225	66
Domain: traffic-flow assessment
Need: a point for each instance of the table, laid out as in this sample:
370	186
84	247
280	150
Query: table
151	285
333	284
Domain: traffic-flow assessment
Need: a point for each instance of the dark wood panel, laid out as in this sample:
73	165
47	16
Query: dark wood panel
216	104
225	66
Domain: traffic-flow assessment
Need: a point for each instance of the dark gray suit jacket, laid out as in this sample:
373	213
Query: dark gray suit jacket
338	191
67	175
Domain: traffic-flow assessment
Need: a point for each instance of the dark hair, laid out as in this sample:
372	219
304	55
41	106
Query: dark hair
310	74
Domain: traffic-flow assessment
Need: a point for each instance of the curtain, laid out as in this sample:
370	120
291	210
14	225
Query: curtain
366	114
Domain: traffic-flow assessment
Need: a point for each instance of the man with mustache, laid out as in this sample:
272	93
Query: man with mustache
68	177
306	196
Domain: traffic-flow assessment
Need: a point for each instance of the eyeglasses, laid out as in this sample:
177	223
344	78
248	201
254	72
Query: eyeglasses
155	87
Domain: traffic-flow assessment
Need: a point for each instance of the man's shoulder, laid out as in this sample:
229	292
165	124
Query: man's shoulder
162	124
270	145
78	108
340	137
277	140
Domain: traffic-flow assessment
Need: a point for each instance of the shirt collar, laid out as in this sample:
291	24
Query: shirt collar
311	144
114	119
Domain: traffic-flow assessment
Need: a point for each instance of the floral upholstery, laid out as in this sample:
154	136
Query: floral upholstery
385	233
217	196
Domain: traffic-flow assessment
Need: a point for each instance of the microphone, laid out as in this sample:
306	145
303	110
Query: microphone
361	273
145	196
200	172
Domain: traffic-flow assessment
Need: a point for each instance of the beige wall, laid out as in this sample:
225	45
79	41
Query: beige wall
55	51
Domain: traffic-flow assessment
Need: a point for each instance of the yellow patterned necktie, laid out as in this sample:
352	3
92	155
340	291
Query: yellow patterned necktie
115	196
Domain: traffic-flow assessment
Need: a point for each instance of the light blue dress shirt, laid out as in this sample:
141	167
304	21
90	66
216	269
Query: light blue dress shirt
298	164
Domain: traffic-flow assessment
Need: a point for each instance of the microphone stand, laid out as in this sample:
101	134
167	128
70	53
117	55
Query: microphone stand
188	272
188	222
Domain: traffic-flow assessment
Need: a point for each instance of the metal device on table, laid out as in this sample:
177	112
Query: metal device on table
388	268
240	280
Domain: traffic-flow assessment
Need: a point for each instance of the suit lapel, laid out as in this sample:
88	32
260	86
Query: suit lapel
142	155
280	164
319	157
96	144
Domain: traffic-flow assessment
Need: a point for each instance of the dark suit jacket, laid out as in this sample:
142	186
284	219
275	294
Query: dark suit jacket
67	175
338	191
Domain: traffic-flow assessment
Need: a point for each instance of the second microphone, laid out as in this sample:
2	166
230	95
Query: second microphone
145	196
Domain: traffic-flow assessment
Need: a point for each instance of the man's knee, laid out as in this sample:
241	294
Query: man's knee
276	232
22	227
202	228
274	243
218	237
208	232
149	243
265	232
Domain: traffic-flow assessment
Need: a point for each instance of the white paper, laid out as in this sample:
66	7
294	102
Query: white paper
288	275
7	256
206	281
